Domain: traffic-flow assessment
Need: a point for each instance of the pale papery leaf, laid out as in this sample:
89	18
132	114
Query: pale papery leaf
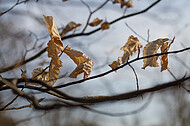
54	70
51	26
151	49
54	48
105	25
95	22
85	67
131	46
55	45
164	58
77	56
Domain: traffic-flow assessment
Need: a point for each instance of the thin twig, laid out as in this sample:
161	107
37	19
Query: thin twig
17	3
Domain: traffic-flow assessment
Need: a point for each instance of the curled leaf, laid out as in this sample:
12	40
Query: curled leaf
69	27
54	70
151	49
116	64
129	4
164	58
77	56
130	48
23	74
55	45
105	26
95	22
54	48
85	67
51	26
123	3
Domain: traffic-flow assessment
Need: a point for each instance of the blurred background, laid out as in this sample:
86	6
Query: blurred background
23	33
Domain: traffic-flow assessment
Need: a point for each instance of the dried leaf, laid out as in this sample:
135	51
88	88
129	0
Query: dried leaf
151	49
53	48
38	75
85	67
23	74
116	64
54	70
129	4
55	45
117	1
105	26
69	27
77	56
123	3
51	26
130	48
95	22
164	58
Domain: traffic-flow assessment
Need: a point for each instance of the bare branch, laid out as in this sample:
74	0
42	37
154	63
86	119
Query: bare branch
17	3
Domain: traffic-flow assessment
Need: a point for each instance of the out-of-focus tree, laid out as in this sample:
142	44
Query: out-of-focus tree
38	69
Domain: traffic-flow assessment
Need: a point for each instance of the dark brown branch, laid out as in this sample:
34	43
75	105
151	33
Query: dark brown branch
22	62
124	96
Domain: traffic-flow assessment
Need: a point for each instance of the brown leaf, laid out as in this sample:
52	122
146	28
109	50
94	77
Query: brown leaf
55	45
38	75
85	67
54	70
105	26
77	56
130	48
123	3
69	27
129	4
23	74
151	49
116	64
117	1
95	22
164	58
51	26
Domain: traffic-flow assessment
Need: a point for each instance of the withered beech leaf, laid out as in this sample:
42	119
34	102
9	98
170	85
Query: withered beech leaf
55	45
51	26
123	3
116	64
53	48
38	75
95	22
105	26
117	1
54	70
130	47
151	49
69	27
129	4
85	67
23	74
77	56
164	58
